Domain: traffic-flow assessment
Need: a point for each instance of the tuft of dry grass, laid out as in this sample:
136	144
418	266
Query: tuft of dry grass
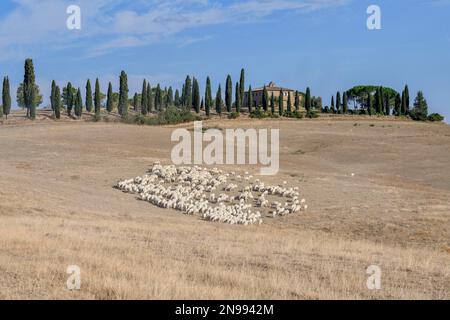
171	260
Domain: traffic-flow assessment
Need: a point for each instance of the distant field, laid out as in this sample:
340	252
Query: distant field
58	208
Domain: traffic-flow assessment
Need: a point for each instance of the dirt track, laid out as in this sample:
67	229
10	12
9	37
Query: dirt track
58	208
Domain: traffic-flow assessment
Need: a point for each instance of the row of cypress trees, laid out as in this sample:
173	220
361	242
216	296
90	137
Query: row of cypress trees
149	100
72	99
378	102
190	97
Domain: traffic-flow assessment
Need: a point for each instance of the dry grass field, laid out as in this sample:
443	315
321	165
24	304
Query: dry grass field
58	207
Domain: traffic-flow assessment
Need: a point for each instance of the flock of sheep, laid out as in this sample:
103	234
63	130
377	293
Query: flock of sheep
213	194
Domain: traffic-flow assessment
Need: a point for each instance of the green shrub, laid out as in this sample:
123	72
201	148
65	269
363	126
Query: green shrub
274	115
418	116
295	114
233	115
435	117
96	118
171	115
138	119
258	114
312	115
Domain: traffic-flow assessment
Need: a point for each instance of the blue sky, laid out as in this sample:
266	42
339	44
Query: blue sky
323	44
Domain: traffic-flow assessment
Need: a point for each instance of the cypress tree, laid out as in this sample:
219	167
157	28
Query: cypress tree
250	100
280	103
407	101
387	107
52	96
144	102
377	101
403	107
308	100
57	102
154	98
78	104
289	104
123	94
202	104
170	101
338	102
89	103
183	97
109	98
29	89
97	98
177	98
208	96
381	97
369	103
164	98
332	104
195	98
265	99
297	101
272	104
188	93
242	87
136	102
150	100
196	95
398	105
238	98
345	103
158	98
229	93
6	97
70	99
219	100
381	100
75	102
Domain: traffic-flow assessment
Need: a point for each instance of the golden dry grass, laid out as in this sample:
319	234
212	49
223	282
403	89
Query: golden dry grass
58	208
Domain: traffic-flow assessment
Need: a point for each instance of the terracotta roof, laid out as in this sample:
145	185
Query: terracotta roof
272	87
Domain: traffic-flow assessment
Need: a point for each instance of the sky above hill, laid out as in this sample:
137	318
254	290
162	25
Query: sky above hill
323	44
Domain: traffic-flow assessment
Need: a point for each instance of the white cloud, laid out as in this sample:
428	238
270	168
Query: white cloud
113	24
192	40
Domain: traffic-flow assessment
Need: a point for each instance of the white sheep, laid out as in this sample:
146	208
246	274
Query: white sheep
185	189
